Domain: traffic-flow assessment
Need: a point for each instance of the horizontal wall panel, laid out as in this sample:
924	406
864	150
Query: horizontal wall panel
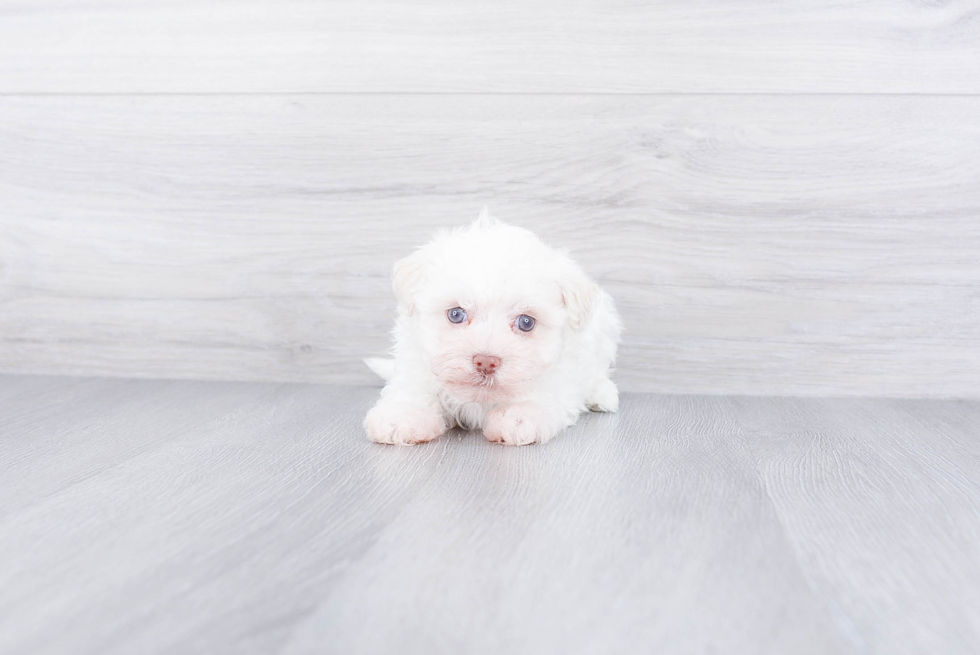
770	245
692	46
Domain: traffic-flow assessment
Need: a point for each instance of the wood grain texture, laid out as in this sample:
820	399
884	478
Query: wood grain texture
641	532
857	485
704	46
761	245
199	517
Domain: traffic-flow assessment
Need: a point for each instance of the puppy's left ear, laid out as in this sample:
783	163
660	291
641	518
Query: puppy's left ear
579	294
406	278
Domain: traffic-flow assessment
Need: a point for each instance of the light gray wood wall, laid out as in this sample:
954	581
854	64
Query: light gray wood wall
597	46
783	200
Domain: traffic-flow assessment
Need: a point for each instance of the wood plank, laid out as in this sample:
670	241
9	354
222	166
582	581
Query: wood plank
700	46
215	539
881	501
643	532
255	518
65	431
267	530
767	245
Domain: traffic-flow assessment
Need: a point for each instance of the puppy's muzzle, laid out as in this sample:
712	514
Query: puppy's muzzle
486	364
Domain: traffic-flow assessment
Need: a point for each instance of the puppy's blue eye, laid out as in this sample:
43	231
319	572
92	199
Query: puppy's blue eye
456	315
524	323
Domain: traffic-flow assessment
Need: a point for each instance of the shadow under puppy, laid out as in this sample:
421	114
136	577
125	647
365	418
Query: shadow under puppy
495	331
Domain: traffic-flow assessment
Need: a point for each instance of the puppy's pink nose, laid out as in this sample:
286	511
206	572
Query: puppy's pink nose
486	364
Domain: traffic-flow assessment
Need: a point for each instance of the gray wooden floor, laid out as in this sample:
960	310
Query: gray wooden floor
203	517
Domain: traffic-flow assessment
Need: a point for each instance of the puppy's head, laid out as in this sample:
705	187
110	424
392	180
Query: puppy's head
491	307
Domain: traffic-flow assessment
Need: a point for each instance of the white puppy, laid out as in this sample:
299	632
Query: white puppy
495	331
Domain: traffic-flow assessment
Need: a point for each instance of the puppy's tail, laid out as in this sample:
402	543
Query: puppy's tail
385	368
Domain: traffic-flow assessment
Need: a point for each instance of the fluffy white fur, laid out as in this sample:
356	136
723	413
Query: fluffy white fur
546	377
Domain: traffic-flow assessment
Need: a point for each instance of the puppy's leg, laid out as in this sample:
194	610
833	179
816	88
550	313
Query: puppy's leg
524	423
604	396
405	419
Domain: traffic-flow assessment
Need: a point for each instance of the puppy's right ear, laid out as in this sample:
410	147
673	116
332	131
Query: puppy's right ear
406	279
579	294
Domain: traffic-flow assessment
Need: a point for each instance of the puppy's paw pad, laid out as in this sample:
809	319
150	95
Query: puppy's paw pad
402	428
493	436
604	398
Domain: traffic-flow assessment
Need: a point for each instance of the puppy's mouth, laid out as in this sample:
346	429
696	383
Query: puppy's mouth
478	381
484	380
480	387
466	383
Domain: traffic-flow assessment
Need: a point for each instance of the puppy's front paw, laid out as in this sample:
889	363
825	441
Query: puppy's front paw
402	425
604	398
517	425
